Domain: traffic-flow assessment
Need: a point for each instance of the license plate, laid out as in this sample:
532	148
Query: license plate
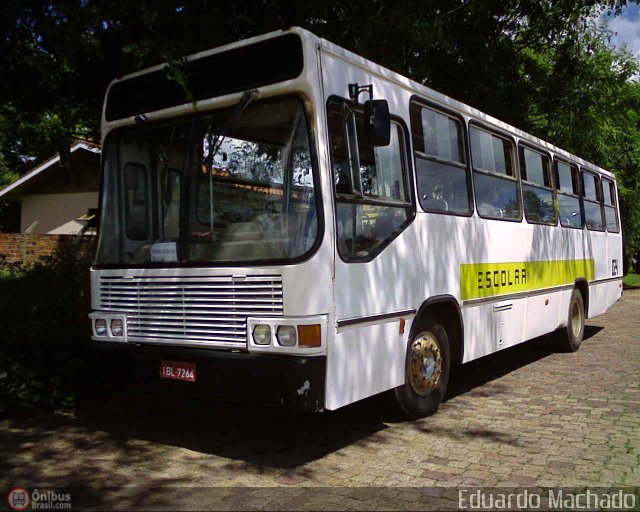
178	370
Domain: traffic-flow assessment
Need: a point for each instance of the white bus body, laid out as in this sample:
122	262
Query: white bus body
387	262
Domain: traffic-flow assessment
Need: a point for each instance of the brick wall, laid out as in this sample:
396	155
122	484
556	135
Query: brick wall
15	246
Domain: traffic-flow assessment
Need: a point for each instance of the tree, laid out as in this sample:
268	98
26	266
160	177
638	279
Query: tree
542	66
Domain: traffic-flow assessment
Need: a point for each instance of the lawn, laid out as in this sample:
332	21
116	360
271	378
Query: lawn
632	280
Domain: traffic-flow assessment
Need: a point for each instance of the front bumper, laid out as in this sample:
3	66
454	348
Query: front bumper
262	379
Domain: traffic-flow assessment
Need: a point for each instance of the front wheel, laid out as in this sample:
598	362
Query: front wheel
426	371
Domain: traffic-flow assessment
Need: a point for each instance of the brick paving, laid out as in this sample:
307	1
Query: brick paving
524	417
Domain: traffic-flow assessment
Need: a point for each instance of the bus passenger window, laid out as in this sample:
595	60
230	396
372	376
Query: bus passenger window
495	181
442	174
536	187
568	190
591	201
610	211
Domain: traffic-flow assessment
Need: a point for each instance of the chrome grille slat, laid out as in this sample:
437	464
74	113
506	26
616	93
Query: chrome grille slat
203	310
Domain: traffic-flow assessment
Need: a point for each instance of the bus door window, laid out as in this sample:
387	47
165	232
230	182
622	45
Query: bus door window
568	189
372	200
442	173
537	191
494	175
591	198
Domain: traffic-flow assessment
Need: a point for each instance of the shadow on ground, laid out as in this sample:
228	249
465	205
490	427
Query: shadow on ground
136	428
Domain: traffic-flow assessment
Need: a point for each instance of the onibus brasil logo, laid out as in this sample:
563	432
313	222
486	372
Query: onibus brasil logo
19	498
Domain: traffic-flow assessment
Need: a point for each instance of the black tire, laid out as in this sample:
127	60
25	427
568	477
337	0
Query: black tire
421	396
570	337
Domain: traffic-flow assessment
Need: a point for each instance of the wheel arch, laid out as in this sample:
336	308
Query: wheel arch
582	285
447	309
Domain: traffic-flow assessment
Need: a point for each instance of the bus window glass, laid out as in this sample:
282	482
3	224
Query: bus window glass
442	187
442	136
170	190
442	176
534	167
590	186
611	217
610	212
608	192
496	198
538	205
536	188
490	152
593	216
566	178
569	211
370	183
136	201
381	167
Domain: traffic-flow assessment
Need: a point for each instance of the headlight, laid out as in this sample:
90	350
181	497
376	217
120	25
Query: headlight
286	335
262	334
101	327
117	327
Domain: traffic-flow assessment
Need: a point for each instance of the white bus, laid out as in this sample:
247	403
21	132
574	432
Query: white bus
306	229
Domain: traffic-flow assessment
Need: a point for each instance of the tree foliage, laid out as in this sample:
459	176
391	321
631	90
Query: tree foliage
543	66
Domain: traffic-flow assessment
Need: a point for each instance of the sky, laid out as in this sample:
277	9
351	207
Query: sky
626	28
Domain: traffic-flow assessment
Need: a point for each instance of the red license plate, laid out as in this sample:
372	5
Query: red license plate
178	370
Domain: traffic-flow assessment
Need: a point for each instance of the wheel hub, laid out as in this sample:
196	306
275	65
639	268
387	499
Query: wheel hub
426	363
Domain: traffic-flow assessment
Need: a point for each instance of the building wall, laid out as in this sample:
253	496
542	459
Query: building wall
28	249
56	213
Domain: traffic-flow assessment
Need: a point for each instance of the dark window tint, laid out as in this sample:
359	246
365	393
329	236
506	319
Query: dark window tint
247	67
136	203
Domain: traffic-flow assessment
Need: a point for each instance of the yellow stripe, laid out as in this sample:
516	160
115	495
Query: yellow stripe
479	280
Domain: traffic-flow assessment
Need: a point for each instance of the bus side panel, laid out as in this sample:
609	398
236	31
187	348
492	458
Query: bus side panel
603	295
365	361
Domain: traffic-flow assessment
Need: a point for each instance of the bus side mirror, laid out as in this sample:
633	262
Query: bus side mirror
376	115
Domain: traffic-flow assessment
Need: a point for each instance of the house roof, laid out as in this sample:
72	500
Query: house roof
46	165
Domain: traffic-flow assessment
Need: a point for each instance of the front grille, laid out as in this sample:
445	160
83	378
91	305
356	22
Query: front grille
200	310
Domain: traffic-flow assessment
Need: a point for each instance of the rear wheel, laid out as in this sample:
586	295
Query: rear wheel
571	336
426	371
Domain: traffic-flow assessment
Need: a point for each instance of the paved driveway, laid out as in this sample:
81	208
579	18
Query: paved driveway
524	417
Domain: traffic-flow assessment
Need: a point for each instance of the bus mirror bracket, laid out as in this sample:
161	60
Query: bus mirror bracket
376	115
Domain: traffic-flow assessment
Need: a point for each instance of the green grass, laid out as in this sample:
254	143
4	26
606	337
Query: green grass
632	280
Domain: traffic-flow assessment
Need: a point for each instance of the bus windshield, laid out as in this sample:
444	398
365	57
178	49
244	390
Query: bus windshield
220	187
